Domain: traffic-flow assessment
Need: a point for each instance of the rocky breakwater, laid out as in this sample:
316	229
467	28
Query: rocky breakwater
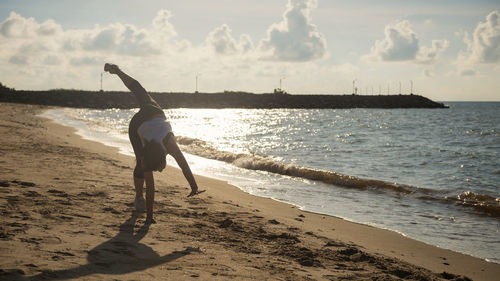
101	100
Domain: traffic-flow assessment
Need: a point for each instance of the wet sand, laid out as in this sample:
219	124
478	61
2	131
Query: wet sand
67	212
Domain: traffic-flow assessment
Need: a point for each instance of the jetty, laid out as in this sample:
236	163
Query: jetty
115	99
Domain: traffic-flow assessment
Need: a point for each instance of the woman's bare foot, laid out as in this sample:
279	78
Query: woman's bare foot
111	68
150	220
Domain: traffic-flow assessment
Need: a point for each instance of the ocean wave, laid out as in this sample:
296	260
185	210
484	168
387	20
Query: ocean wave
484	203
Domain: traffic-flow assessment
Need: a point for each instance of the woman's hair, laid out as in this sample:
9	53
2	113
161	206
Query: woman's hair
154	156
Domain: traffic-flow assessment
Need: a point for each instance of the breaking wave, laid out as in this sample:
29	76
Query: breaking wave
486	204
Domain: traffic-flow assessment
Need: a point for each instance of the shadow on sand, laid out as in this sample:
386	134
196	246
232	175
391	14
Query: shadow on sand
120	255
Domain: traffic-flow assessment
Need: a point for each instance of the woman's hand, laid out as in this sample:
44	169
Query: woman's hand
195	192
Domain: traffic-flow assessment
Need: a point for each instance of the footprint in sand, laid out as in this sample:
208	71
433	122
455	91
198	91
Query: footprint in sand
112	210
225	223
58	193
66	218
273	221
63	202
30	240
51	240
12	200
32	193
23	183
94	194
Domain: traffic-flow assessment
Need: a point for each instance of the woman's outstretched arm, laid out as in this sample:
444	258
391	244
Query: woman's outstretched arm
173	149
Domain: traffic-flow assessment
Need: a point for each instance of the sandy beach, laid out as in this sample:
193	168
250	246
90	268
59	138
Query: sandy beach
67	213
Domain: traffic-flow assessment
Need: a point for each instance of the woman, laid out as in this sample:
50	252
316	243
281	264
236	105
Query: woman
152	139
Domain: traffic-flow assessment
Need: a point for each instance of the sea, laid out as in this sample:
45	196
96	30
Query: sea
430	174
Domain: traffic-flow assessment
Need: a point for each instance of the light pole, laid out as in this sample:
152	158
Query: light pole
411	86
353	86
196	91
101	80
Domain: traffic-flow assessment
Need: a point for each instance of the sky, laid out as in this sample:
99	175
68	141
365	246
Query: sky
446	50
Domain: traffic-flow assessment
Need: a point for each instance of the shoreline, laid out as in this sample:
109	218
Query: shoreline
404	221
281	240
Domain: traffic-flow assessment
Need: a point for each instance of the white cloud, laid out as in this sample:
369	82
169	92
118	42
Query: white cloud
246	43
467	72
44	55
427	73
48	44
101	39
49	28
119	39
82	61
15	26
401	43
162	24
295	38
221	41
482	48
26	36
485	44
18	59
428	55
125	39
51	60
70	58
24	41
